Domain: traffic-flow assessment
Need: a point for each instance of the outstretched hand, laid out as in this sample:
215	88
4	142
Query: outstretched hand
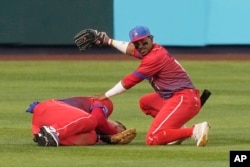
99	97
102	39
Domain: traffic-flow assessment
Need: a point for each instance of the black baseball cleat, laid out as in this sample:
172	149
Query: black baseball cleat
40	139
48	137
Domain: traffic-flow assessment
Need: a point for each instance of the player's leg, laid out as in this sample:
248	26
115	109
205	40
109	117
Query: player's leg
176	111
66	120
83	139
151	104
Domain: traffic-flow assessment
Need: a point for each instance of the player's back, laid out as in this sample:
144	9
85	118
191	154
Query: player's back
83	103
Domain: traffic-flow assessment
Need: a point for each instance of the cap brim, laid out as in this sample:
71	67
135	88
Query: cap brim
139	38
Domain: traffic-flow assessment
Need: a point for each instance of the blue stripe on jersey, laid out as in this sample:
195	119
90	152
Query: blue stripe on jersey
139	75
103	107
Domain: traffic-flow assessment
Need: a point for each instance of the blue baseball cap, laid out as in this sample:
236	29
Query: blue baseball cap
138	33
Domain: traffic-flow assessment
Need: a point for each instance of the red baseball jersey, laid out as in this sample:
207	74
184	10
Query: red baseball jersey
63	111
100	110
162	71
88	104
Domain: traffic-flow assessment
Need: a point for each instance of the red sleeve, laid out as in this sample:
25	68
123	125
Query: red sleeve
102	124
130	80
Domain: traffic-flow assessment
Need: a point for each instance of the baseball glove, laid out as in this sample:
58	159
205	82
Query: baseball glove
87	38
124	137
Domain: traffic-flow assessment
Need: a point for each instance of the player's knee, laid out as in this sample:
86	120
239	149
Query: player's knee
149	112
146	112
143	106
142	101
151	140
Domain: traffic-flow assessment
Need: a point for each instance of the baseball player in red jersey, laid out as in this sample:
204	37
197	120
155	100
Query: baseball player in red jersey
175	99
74	121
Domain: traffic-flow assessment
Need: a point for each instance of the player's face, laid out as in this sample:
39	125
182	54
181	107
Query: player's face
144	46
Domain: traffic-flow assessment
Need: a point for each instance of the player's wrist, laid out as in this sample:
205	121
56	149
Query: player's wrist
119	45
117	89
110	42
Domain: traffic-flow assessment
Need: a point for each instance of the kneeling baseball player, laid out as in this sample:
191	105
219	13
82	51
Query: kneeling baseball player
174	100
77	121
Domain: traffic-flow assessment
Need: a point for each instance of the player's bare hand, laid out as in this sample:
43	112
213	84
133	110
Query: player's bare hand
102	39
106	38
99	97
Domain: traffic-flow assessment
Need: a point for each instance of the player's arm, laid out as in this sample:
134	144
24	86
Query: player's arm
123	46
123	85
103	126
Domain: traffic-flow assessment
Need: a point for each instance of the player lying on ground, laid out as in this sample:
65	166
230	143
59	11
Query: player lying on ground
175	99
76	121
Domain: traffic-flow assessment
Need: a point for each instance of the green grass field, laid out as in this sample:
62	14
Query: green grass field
23	82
